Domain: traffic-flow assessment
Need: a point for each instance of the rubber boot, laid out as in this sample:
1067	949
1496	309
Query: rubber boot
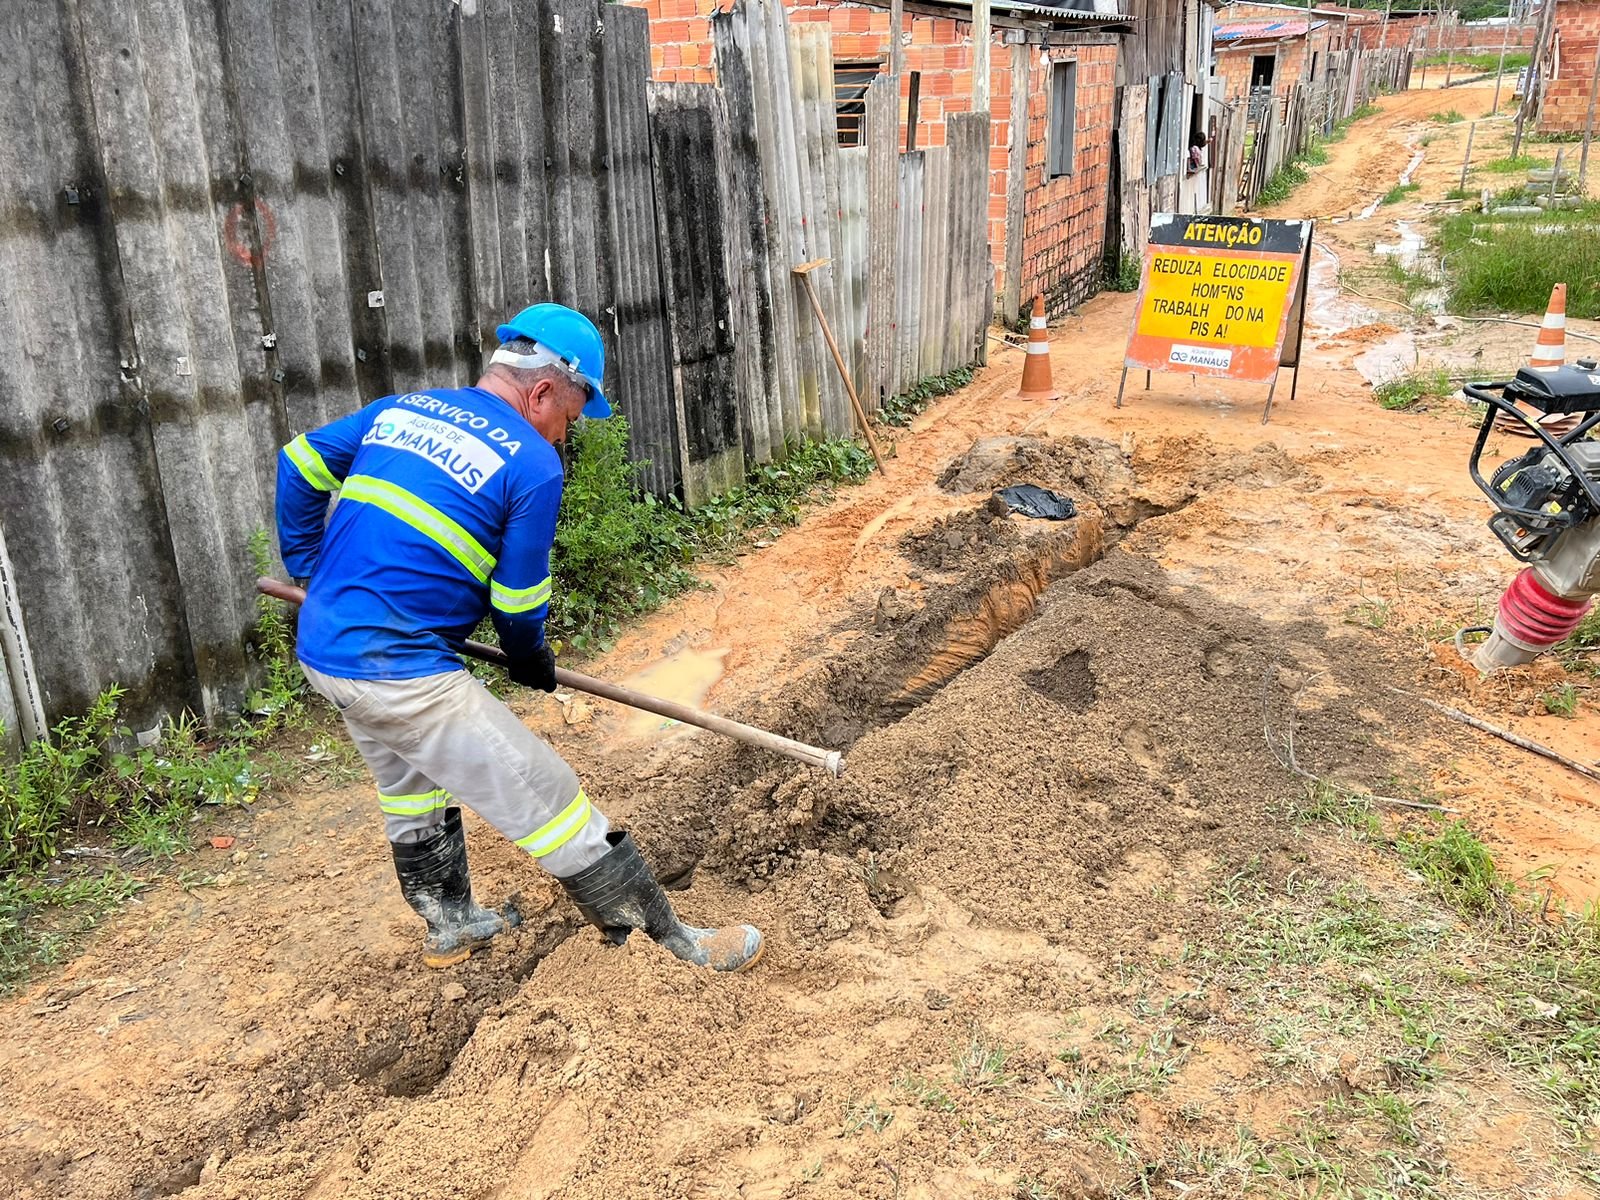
618	894
436	883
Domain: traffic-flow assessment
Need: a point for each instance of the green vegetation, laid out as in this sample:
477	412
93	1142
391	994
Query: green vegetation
1449	117
898	410
1292	174
1405	390
1399	192
145	801
1125	276
1510	263
620	552
1562	702
1484	61
1509	166
1282	183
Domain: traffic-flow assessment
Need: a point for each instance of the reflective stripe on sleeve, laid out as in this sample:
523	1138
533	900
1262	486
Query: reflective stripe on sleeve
424	518
414	806
518	600
559	829
310	465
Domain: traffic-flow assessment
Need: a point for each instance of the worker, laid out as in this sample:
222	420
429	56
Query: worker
446	512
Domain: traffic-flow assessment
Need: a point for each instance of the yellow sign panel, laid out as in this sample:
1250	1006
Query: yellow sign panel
1218	296
1215	299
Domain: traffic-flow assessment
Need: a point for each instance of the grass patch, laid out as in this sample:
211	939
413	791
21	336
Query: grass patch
1482	62
1405	390
1509	165
1457	866
1448	117
1510	264
1399	192
40	921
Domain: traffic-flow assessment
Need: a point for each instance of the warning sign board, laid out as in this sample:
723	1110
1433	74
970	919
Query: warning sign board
1220	296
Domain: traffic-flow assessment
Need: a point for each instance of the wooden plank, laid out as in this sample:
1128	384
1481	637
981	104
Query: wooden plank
853	260
755	328
883	240
795	170
913	217
935	259
748	20
639	356
688	127
1016	177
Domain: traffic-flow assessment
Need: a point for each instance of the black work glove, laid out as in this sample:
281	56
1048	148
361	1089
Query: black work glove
536	669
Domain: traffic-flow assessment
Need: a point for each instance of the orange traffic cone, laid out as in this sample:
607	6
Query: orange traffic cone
1550	349
1036	383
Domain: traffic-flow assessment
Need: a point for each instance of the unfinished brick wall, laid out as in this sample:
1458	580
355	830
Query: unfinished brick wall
1577	32
1064	229
1429	36
1235	66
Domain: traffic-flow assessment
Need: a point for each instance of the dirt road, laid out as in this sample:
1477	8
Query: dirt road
1068	926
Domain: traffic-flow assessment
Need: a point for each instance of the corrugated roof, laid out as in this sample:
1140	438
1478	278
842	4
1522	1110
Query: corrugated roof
1021	8
1261	31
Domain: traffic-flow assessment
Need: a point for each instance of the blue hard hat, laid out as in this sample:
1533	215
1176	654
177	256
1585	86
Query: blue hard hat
570	336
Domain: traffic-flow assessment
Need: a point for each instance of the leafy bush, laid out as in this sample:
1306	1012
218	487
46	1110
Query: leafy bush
620	552
1125	278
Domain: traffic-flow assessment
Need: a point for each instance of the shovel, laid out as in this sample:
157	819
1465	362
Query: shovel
830	761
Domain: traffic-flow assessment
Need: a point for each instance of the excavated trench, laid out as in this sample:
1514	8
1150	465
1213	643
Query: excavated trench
974	578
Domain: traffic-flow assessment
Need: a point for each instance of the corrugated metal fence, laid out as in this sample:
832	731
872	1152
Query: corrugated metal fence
224	222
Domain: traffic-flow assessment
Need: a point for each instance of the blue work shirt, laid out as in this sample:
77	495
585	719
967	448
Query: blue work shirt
446	511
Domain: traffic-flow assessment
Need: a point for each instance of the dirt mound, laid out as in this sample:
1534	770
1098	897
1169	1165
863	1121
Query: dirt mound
1152	479
951	542
1000	855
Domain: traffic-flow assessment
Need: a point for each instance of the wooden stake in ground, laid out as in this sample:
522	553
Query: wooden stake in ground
803	271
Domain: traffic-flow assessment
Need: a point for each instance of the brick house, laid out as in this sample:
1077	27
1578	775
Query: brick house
1569	66
1066	63
1262	50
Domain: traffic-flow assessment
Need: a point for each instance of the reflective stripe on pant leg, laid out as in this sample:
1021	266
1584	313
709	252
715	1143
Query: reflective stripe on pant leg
411	803
559	829
450	728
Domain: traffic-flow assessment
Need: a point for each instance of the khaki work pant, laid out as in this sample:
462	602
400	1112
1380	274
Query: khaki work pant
442	740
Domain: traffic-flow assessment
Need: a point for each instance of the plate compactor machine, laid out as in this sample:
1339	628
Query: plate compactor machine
1548	503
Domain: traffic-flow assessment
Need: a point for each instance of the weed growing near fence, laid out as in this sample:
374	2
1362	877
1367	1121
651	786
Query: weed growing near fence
1293	173
146	800
621	552
900	409
1342	126
1508	165
1509	264
1125	276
